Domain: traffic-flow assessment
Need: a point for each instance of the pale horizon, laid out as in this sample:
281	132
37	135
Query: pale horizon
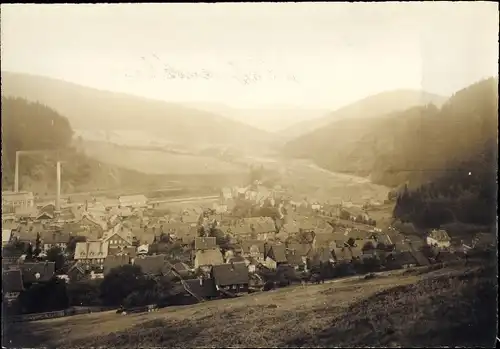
304	55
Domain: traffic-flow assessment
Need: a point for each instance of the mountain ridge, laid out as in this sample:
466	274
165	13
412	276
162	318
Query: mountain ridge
91	108
371	106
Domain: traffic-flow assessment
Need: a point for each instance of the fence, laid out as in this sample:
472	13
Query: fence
57	314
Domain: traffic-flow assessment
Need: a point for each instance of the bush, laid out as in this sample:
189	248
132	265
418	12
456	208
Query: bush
121	282
39	298
139	298
84	293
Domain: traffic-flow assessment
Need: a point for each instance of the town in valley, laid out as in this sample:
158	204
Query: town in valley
231	175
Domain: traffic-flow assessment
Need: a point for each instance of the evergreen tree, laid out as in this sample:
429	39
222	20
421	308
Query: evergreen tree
38	244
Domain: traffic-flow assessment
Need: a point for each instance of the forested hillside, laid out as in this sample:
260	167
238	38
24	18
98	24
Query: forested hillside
372	106
33	126
454	148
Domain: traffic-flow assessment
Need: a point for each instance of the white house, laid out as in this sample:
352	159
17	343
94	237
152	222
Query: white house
6	236
439	238
143	249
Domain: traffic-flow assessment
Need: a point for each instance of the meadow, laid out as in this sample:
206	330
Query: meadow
453	306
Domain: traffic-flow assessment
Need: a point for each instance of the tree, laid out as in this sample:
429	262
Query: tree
44	297
38	243
30	126
29	252
121	282
222	240
84	293
55	254
70	248
351	242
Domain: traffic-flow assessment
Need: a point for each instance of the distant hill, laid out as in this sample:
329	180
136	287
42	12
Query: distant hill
36	127
91	109
453	147
273	118
369	107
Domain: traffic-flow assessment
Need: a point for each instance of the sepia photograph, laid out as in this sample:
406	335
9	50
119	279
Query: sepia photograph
251	175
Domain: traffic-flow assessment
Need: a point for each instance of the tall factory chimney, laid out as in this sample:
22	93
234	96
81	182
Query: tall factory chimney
16	178
58	195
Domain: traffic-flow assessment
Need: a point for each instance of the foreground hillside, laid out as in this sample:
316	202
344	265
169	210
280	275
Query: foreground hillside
366	108
448	307
92	109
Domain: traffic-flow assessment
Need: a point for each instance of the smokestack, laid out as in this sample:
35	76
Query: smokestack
58	195
16	179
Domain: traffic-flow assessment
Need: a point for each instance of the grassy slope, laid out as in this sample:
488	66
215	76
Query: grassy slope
405	308
159	162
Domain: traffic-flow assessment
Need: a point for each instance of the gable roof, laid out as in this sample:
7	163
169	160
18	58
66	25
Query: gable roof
130	251
405	228
204	243
91	250
259	224
54	237
342	254
203	288
356	251
97	249
420	257
320	255
37	272
253	246
87	219
12	281
153	265
383	239
112	262
120	231
208	257
294	258
278	253
186	233
24	233
26	212
291	228
144	237
366	244
181	267
323	239
230	274
76	266
236	259
299	249
44	215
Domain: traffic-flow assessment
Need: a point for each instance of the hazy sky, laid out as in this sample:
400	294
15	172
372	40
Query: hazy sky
319	55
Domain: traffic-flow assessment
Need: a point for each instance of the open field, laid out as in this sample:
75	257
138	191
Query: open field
306	180
453	306
158	162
